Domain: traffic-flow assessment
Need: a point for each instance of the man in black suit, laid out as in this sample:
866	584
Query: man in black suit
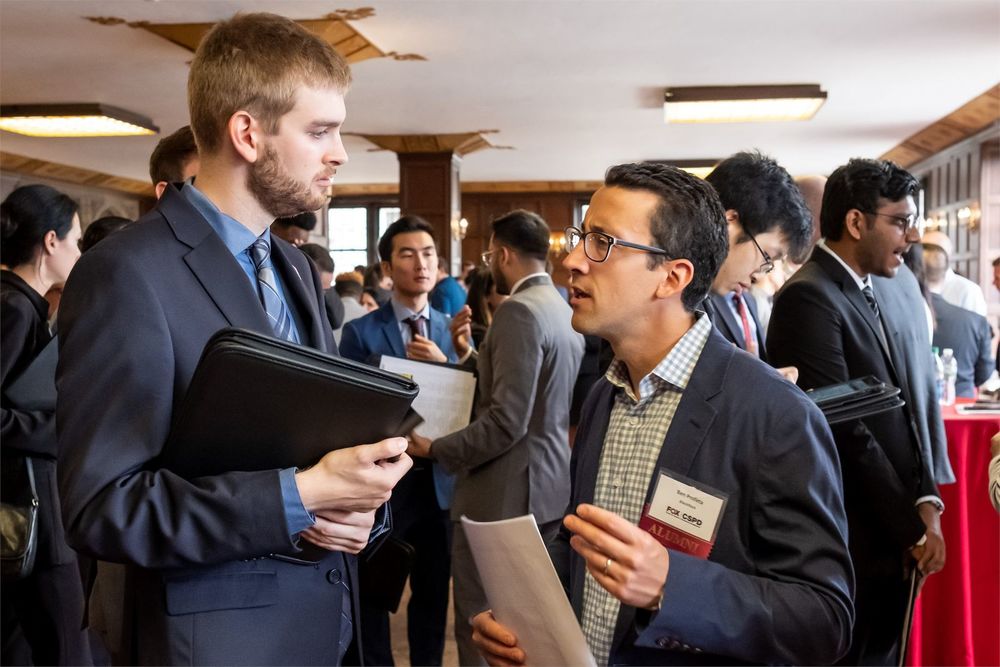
766	219
214	570
828	323
967	333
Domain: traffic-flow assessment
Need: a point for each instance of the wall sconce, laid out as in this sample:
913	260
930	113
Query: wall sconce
557	243
969	215
459	228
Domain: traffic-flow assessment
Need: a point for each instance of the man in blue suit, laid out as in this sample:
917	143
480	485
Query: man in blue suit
214	571
706	523
408	327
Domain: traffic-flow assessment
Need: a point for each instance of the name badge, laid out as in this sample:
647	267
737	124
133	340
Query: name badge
684	515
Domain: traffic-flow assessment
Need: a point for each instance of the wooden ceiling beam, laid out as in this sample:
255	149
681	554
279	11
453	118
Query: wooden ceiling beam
960	124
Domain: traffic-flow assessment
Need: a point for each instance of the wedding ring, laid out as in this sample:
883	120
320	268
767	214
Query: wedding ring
607	565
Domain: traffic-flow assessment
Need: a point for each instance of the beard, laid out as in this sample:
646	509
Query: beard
278	193
500	281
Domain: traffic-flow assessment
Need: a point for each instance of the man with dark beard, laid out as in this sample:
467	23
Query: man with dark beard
214	573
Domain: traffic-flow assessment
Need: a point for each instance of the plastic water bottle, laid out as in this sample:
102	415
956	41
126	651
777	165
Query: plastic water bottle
950	373
938	374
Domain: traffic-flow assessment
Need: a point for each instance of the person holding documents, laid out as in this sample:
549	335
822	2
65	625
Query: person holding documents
514	457
408	327
835	323
42	612
214	571
706	524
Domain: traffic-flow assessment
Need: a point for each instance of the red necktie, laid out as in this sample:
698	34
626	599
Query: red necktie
748	339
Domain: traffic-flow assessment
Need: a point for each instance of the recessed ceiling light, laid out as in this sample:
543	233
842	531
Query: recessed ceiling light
73	120
742	104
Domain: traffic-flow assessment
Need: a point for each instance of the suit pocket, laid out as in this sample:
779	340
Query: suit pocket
240	590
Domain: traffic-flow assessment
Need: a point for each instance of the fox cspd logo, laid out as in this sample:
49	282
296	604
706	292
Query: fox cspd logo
684	516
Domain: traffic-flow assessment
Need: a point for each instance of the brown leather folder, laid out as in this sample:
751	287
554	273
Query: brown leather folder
257	403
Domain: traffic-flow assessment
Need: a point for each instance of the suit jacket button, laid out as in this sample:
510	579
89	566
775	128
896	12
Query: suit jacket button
334	576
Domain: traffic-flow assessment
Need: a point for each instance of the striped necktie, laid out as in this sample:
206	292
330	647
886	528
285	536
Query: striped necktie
277	312
870	298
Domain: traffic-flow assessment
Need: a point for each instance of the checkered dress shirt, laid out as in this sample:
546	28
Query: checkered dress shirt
636	430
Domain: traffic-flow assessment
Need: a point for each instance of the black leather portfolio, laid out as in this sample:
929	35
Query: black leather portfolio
257	403
854	399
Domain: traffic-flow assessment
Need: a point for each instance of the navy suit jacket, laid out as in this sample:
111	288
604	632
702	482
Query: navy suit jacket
199	586
376	334
778	585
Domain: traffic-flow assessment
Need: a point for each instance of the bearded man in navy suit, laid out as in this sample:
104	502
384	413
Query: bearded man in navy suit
214	572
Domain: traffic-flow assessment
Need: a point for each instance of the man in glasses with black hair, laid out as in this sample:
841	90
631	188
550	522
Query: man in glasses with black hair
835	323
706	523
766	219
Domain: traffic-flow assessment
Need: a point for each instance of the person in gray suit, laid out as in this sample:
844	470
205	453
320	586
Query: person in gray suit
514	457
904	308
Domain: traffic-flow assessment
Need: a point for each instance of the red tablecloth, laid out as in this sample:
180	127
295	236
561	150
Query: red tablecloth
956	619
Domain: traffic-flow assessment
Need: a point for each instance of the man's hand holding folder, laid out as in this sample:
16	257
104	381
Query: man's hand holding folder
345	488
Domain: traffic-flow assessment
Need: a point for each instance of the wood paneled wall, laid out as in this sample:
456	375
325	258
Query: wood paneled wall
557	208
953	180
989	198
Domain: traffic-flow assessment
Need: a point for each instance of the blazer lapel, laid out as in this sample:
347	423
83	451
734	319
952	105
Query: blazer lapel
213	265
295	290
438	331
853	295
585	472
390	329
723	317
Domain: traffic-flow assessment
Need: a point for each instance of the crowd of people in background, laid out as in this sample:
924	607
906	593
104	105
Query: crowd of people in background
697	314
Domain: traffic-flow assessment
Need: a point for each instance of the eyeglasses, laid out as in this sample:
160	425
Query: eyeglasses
904	222
597	245
486	257
768	264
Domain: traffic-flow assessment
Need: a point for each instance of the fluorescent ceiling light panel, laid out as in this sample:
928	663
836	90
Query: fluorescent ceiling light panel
74	120
742	104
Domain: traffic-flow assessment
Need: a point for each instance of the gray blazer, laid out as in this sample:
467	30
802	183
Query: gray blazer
514	458
903	304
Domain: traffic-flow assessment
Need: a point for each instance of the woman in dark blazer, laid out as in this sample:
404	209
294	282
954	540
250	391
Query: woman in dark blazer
42	613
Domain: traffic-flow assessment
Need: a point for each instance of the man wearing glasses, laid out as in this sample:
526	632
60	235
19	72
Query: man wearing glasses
766	219
832	321
706	524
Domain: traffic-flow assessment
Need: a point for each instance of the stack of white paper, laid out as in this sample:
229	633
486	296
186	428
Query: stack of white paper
524	591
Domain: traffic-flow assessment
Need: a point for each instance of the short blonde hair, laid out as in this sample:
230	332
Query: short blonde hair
256	63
